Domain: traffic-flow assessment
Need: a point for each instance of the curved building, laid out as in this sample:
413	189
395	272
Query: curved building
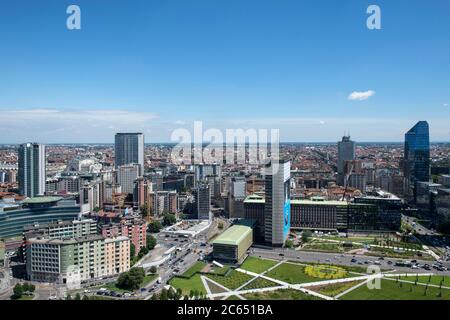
41	210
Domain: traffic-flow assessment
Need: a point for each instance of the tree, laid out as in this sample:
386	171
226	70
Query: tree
132	250
77	296
289	244
169	219
151	242
170	294
144	210
85	297
17	291
178	294
131	280
154	226
68	297
153	269
220	225
306	235
163	295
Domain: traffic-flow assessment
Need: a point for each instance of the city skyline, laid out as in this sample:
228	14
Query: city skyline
313	71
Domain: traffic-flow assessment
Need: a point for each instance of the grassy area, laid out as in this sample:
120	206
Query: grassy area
186	285
149	278
436	280
257	265
329	247
294	273
357	269
291	273
233	280
197	267
260	283
282	294
220	271
233	298
392	290
334	289
387	252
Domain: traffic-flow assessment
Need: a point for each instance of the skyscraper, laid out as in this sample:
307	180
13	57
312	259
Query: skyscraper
203	201
277	211
416	162
126	176
31	169
346	151
129	149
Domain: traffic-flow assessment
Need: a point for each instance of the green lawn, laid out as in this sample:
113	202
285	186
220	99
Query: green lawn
149	278
260	283
197	267
233	280
257	265
282	294
220	271
233	298
291	273
436	280
186	285
391	290
334	289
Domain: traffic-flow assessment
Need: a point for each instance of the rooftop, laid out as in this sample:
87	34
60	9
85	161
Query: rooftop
41	200
233	235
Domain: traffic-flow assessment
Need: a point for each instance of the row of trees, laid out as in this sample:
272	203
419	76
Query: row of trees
20	289
156	225
172	294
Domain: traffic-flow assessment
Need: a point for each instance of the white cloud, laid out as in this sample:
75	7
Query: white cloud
361	95
446	104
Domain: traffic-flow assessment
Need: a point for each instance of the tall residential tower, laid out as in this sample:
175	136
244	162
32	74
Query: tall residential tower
31	169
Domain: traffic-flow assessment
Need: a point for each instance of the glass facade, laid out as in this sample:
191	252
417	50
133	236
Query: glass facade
417	153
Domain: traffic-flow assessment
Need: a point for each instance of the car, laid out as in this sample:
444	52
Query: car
389	262
281	254
353	260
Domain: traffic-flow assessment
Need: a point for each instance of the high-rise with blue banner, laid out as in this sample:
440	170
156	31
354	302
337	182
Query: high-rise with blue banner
277	211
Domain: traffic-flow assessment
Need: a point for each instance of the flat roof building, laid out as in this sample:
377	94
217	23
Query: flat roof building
233	243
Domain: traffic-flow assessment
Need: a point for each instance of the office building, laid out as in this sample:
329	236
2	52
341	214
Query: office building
129	149
202	171
346	152
40	210
126	176
31	169
203	201
416	160
233	243
277	214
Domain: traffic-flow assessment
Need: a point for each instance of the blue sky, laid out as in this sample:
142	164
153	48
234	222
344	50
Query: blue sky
157	65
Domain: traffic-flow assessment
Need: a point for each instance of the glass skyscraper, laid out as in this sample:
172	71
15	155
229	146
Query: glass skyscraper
417	153
129	149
